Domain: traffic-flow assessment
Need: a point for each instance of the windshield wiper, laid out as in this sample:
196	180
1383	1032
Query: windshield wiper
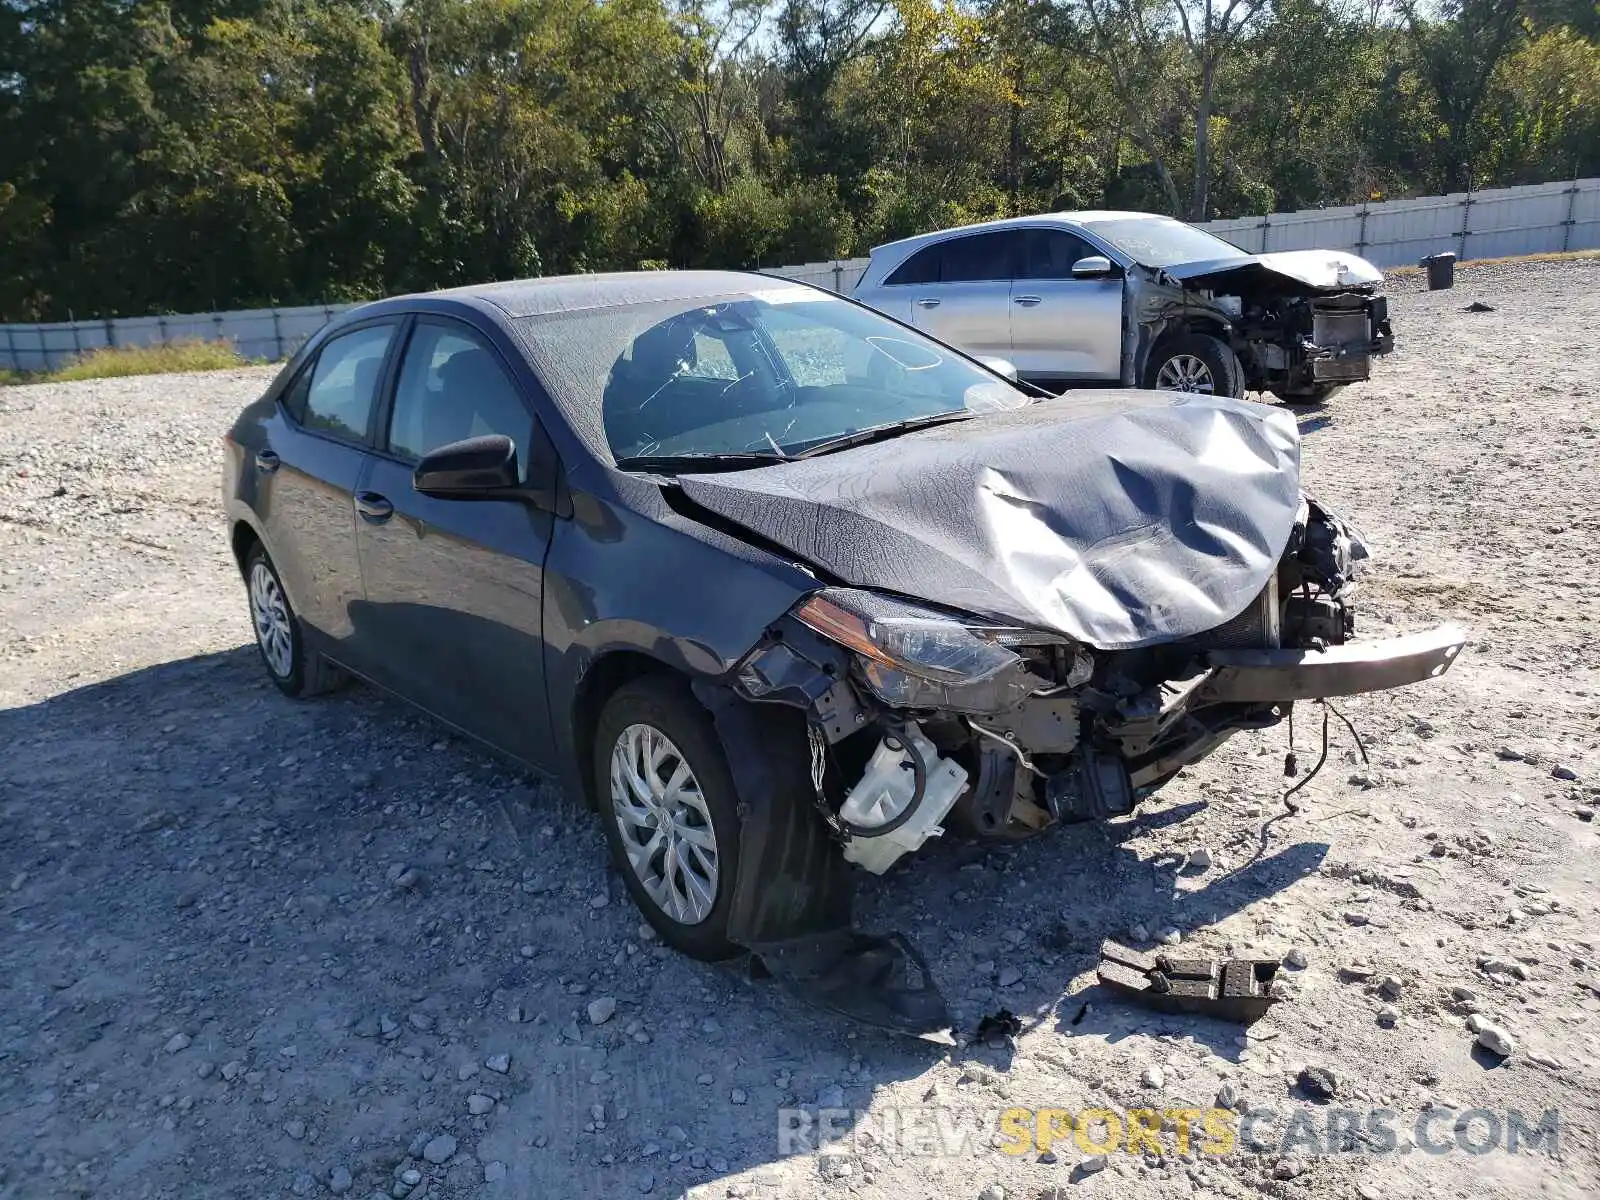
725	461
878	433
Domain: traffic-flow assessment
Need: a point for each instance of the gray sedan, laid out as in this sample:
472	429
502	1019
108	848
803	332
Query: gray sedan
784	587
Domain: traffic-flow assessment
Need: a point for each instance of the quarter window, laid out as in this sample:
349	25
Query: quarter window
336	395
981	257
452	387
921	267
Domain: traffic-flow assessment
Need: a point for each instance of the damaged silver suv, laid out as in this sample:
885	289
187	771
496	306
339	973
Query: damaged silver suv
783	586
1138	300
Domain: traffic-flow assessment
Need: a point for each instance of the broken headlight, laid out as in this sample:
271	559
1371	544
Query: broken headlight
914	657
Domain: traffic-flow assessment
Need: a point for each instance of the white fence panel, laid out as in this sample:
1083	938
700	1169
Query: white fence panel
1527	219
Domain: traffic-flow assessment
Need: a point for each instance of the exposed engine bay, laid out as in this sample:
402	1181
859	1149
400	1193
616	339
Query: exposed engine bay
1002	732
1302	323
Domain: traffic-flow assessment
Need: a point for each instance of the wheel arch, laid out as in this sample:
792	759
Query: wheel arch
605	675
243	538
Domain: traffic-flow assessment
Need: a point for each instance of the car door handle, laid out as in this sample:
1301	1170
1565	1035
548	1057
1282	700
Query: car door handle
1026	301
373	507
927	302
266	461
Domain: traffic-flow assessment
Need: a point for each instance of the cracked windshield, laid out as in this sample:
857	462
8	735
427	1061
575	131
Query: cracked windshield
768	376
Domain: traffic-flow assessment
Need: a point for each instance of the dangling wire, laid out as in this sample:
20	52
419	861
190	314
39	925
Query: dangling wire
1327	709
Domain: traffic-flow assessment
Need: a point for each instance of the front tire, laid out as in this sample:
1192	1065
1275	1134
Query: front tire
670	812
1195	362
297	671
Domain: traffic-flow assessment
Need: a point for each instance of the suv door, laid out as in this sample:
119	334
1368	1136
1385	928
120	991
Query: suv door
455	588
969	305
1062	327
307	472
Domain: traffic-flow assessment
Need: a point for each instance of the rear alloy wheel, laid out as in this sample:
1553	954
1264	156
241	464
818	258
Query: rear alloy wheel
670	813
297	671
1195	362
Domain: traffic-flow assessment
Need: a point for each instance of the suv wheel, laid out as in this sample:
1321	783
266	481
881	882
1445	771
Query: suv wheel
670	812
1195	362
297	671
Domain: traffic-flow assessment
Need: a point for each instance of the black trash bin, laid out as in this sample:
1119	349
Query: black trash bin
1441	270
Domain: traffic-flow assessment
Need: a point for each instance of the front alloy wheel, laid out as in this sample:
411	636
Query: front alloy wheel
664	823
669	811
1185	373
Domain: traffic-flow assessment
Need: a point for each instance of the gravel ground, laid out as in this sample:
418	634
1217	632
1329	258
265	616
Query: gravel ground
250	947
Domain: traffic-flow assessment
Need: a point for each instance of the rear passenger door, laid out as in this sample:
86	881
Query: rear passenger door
961	292
454	588
307	476
1064	327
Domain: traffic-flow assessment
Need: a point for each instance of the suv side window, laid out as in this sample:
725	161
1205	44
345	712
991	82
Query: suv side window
1051	253
335	394
980	257
921	267
452	387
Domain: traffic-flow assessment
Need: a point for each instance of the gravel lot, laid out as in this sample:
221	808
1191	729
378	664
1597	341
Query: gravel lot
251	947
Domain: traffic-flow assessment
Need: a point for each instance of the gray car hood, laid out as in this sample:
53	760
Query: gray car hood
1119	518
1319	270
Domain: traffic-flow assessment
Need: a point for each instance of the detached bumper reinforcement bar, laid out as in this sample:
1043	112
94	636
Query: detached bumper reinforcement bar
1264	676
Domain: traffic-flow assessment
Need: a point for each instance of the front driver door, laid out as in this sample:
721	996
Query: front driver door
1063	327
454	588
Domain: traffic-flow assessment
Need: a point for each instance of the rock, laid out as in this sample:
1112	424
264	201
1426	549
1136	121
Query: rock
1228	1096
1356	918
602	1010
1502	966
1463	994
1476	1022
340	1181
295	1129
494	1172
177	1042
466	1071
1288	1168
1388	1016
440	1150
206	1070
1318	1083
1296	959
737	1096
232	1070
1139	933
1169	936
835	1166
1389	988
478	1104
600	901
1496	1040
409	879
993	1192
517	1014
1564	773
1094	1164
831	1096
1008	976
498	1063
1153	1077
366	1026
1200	860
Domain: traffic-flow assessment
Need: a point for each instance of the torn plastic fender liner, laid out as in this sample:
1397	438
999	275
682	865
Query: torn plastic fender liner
794	891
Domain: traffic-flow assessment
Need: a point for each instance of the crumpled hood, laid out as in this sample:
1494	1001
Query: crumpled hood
1119	518
1320	270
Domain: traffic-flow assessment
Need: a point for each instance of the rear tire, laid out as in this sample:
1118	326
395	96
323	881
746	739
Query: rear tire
1195	362
298	671
670	812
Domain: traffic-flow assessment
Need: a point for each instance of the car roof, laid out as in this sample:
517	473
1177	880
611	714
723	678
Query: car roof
571	293
1064	218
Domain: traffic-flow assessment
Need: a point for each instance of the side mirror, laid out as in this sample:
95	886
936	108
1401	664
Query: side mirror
480	468
1000	366
1093	267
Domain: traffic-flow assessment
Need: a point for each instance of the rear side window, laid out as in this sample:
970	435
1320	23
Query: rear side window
981	257
921	267
336	393
452	387
1050	253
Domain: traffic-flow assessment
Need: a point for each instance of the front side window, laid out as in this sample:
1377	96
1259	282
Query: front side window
806	368
1051	253
339	390
452	387
1161	241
